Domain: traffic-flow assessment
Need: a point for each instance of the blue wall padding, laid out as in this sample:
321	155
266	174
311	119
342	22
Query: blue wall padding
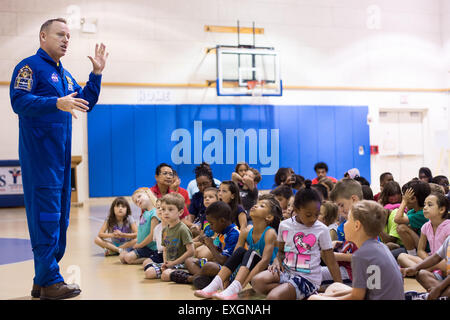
127	142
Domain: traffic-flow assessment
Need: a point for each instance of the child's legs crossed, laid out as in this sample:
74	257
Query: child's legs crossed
203	252
427	279
210	269
192	264
265	281
165	275
285	291
409	238
327	278
106	244
337	289
128	244
153	271
446	292
441	266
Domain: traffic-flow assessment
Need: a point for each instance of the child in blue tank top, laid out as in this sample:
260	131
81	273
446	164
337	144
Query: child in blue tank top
254	251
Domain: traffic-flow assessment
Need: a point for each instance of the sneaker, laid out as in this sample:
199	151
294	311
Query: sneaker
414	295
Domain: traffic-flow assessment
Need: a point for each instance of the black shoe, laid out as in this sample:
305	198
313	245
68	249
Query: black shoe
179	276
201	282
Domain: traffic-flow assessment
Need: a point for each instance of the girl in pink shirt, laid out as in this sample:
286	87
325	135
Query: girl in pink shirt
435	231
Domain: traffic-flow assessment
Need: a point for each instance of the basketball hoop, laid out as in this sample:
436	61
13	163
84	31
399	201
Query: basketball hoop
256	87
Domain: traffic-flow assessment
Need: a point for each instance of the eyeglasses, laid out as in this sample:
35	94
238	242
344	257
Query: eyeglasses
167	173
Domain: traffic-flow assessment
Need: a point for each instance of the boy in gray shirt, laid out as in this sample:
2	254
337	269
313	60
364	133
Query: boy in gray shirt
376	275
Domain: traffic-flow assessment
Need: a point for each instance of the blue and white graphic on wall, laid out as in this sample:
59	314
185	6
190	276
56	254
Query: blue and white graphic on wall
221	149
127	142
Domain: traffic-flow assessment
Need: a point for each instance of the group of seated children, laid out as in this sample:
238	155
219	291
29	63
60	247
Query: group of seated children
327	240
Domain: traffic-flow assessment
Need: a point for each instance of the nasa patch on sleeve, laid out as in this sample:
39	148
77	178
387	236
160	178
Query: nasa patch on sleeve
24	79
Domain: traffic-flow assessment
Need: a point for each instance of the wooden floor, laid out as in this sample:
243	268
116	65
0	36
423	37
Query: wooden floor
99	277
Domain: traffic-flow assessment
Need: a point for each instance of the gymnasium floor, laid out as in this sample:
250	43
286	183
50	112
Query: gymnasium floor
100	278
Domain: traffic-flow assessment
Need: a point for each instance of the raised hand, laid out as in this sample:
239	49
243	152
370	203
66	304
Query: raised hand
409	194
99	60
69	103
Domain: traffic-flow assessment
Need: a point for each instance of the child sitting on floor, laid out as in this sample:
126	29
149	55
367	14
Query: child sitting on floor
176	240
119	230
329	217
283	193
157	235
376	275
289	212
202	271
239	172
145	246
437	288
409	225
210	195
248	190
435	231
229	193
345	193
296	272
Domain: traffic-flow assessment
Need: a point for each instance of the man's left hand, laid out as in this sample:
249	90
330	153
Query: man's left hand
99	61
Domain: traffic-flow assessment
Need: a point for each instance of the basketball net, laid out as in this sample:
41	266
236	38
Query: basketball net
256	87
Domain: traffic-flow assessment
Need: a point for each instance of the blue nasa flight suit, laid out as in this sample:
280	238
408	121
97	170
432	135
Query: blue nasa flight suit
45	141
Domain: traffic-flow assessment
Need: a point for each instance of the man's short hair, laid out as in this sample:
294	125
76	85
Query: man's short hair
371	215
160	166
346	188
48	23
384	175
175	199
219	209
321	165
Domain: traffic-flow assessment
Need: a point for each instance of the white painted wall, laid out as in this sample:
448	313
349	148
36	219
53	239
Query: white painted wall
359	43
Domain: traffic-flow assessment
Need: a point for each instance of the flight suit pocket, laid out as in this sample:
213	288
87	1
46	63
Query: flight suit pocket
50	142
46	144
47	203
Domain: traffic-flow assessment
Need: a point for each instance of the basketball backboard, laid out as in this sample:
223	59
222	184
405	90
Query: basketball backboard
240	68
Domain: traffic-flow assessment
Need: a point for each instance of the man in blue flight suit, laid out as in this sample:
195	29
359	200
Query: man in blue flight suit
45	95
